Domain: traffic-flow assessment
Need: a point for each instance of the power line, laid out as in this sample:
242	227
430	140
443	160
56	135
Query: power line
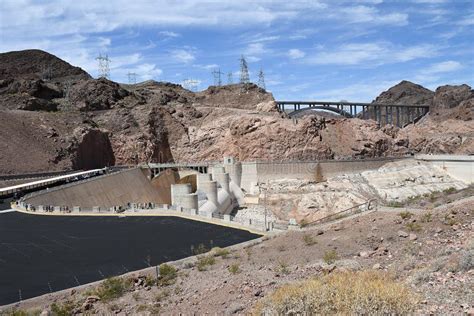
261	79
244	71
104	68
230	78
217	77
132	77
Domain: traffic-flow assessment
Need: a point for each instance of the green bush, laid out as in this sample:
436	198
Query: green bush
426	218
405	215
62	309
413	227
234	268
112	288
219	252
168	275
330	256
309	240
204	262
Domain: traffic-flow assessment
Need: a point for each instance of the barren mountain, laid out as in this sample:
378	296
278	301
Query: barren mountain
66	120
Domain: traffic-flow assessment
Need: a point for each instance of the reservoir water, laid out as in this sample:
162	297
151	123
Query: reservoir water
40	254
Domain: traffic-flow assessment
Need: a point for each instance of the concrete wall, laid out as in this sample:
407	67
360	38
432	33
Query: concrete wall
457	166
253	172
111	190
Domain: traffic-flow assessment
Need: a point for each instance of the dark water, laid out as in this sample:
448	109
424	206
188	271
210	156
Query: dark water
39	254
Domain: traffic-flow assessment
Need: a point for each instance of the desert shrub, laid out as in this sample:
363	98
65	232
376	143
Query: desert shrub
344	293
204	262
303	223
309	240
395	204
62	309
413	227
234	268
448	220
426	218
200	249
219	252
161	295
168	275
112	288
405	215
149	280
449	190
330	256
20	312
282	268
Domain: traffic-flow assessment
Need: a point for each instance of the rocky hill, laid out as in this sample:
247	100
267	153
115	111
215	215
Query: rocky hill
68	120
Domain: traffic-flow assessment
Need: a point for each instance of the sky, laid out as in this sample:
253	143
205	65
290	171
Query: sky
308	50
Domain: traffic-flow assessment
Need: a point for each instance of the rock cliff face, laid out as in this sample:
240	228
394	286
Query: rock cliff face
71	121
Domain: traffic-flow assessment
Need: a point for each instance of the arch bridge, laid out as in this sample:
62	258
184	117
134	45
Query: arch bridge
395	114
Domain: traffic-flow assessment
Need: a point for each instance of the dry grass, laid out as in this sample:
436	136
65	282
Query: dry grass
363	292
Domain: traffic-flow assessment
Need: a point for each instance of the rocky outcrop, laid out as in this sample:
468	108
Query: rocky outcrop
38	64
406	92
448	96
90	149
233	96
96	94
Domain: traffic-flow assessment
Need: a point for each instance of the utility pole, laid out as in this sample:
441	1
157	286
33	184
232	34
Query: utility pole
132	77
104	66
217	77
244	71
230	78
261	79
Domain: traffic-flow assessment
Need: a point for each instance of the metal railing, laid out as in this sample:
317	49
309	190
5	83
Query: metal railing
360	208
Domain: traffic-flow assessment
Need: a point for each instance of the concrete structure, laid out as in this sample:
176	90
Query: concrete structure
202	177
460	167
223	180
210	189
189	201
259	171
45	182
105	191
177	193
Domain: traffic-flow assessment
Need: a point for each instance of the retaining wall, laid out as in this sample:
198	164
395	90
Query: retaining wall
460	167
253	172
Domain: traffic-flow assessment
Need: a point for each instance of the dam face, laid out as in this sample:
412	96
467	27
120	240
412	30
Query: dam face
43	254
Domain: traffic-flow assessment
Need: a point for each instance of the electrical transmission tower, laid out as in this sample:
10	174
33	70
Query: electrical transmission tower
104	69
261	79
230	78
191	84
217	77
244	71
132	77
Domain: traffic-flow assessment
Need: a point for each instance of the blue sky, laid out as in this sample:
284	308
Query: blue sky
319	50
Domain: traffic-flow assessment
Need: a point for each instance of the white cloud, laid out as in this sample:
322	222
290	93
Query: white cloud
255	49
371	54
182	55
295	53
467	20
359	92
442	67
366	14
168	34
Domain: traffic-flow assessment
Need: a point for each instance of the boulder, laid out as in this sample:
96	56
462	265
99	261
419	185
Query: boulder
96	94
448	96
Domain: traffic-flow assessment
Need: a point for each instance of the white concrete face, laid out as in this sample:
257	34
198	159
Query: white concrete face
216	170
235	172
202	177
189	201
223	180
177	191
210	189
460	167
